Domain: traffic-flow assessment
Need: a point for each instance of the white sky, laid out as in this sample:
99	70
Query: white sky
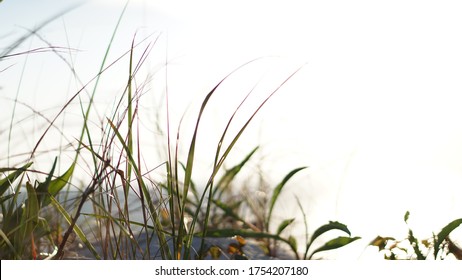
375	110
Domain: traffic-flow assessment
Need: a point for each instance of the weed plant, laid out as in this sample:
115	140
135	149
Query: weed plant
439	246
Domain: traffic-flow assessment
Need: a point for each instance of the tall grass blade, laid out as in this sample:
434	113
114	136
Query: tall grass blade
166	254
101	69
220	159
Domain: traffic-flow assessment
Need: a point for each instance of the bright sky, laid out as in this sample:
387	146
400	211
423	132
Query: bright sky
375	110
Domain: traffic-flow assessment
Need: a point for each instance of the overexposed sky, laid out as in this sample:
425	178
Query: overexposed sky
374	111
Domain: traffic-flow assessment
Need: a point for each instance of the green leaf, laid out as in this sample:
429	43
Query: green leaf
229	175
293	243
30	215
406	216
42	229
59	183
228	210
335	244
279	187
6	197
53	187
76	228
444	233
42	188
5	183
327	227
284	224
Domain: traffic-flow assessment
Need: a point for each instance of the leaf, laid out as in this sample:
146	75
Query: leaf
42	188
30	215
53	187
77	229
229	175
327	227
381	242
59	183
4	254
5	183
444	233
279	187
293	243
284	224
406	216
335	244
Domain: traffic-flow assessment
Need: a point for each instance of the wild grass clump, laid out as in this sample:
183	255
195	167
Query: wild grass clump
118	210
437	247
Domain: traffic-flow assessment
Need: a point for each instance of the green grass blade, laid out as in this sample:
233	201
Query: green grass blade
130	111
6	182
102	67
30	215
444	233
42	188
59	183
53	186
278	189
283	225
4	254
228	211
231	173
335	244
76	228
188	177
166	254
293	245
327	227
219	163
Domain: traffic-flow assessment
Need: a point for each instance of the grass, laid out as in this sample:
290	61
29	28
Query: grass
439	246
119	210
109	201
